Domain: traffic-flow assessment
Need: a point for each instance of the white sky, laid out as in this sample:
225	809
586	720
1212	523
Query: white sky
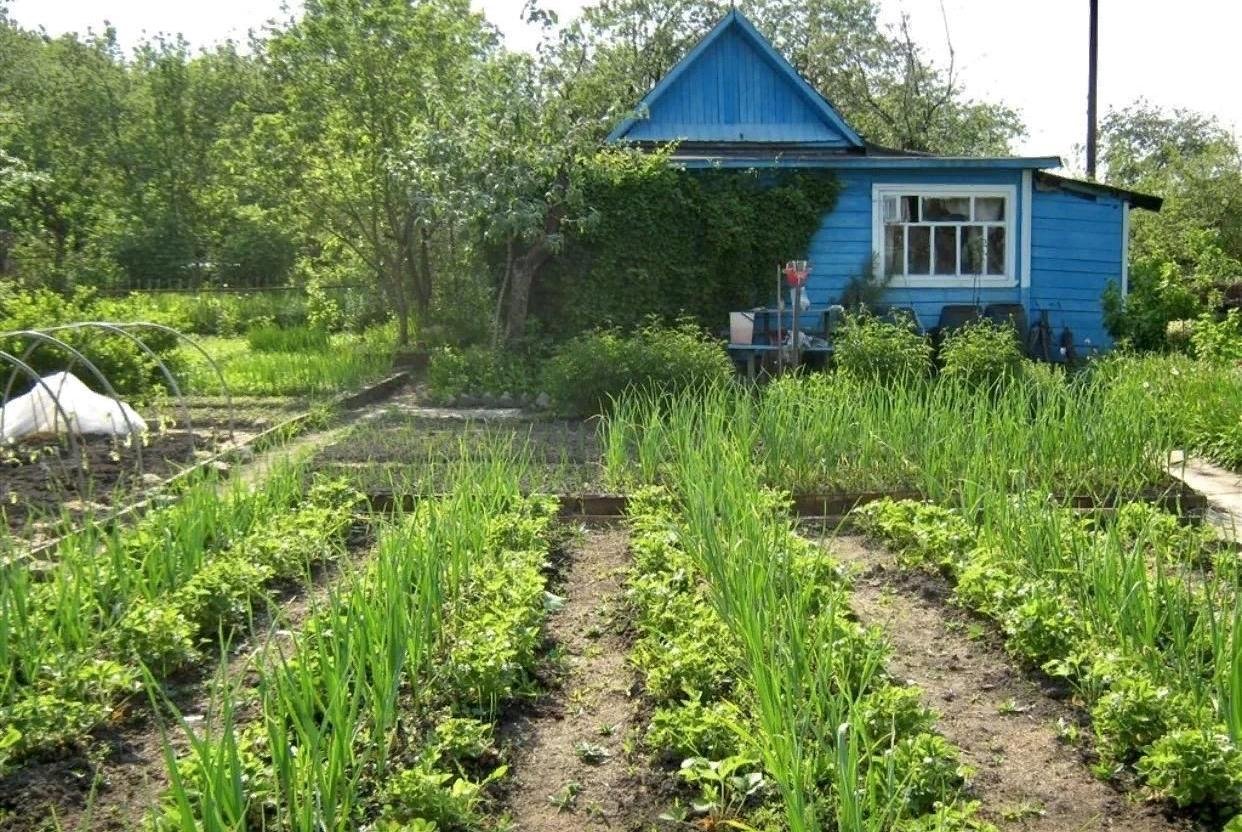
1030	54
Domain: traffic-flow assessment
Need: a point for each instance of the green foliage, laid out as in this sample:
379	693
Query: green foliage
474	371
1158	295
982	353
1195	766
590	370
1136	712
667	242
867	347
1218	341
272	338
129	370
157	634
1185	257
253	250
423	793
689	728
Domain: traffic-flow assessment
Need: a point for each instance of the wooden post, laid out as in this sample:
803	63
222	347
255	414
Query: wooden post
1093	47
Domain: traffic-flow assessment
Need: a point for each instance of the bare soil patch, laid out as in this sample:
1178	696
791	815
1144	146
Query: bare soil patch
571	767
1005	722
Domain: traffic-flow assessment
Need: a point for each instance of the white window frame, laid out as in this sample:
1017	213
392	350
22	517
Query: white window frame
939	281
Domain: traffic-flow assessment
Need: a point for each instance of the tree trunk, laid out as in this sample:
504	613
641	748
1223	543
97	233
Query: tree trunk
394	282
525	269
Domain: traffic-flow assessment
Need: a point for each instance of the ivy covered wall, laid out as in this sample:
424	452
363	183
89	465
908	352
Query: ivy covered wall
666	242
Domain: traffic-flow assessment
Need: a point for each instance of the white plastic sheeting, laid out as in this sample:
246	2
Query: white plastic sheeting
89	413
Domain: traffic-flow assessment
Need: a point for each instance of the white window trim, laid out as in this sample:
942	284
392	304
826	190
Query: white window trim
1008	192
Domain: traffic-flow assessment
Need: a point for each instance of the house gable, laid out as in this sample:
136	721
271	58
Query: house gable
734	87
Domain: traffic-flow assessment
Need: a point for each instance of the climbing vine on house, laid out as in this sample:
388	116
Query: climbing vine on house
666	242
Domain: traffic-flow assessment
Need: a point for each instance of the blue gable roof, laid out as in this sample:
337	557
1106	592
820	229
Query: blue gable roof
734	87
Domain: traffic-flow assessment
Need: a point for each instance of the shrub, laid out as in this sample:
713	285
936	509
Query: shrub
271	338
253	251
128	369
587	372
476	371
982	353
1220	340
870	348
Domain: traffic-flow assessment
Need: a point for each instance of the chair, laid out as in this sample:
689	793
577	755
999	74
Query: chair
955	316
1012	314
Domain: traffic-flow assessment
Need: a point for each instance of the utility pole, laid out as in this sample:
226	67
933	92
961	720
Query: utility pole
1092	66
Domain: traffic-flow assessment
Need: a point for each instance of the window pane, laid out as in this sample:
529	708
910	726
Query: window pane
910	209
942	209
894	249
996	250
989	208
920	250
946	249
972	249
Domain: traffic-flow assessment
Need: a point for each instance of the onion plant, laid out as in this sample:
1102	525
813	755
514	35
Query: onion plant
344	709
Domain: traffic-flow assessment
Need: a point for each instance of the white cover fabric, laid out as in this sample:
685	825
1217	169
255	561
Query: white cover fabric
89	413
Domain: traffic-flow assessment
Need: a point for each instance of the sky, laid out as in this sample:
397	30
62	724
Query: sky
1031	54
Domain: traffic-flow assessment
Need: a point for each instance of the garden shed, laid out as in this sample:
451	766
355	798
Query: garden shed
942	233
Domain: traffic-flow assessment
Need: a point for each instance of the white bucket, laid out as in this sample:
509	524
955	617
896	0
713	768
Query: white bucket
741	327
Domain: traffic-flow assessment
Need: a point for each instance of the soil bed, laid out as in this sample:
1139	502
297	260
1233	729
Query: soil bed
571	770
40	487
1005	722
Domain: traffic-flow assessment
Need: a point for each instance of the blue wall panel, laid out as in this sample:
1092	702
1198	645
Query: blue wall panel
1076	250
1076	253
841	248
733	92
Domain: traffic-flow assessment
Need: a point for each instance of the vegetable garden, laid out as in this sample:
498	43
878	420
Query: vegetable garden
411	627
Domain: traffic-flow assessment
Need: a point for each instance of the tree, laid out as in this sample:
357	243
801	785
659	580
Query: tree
363	144
1190	160
1188	257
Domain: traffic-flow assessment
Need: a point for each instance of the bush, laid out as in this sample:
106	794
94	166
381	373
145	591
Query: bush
1218	341
1194	766
271	338
477	371
587	372
253	251
982	353
870	348
1158	294
128	369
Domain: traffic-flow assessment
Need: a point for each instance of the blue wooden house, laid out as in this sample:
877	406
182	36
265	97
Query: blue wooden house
948	233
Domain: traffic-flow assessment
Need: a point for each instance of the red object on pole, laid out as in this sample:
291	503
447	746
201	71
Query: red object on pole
796	272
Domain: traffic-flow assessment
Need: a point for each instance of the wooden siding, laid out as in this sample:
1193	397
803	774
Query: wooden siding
841	248
732	91
1077	252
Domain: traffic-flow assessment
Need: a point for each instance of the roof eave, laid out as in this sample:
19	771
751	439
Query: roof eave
1136	199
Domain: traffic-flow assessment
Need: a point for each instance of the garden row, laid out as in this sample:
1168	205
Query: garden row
263	352
1140	613
382	710
83	635
769	698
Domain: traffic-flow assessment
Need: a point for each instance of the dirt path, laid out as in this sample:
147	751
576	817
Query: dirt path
1005	724
570	767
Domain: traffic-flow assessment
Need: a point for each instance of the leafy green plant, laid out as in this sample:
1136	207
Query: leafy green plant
1195	766
1218	341
869	348
272	338
982	353
478	371
586	373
